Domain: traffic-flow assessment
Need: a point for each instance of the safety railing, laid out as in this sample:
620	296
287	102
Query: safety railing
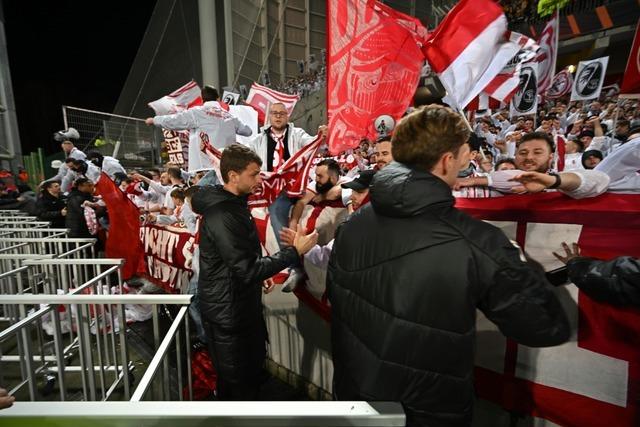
61	247
6	232
99	322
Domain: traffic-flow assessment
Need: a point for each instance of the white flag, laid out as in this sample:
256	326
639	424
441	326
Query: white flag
547	54
525	101
589	78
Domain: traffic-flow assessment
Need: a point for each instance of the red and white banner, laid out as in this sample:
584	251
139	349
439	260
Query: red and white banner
631	80
179	100
560	85
168	252
292	176
589	79
504	86
594	378
548	54
374	63
261	97
470	48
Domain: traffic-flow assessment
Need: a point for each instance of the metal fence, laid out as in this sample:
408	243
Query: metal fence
133	142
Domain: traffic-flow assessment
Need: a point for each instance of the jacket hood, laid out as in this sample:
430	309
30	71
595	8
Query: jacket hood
210	196
399	190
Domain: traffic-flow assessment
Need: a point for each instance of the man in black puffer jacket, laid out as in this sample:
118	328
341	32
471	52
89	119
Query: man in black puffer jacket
232	272
407	273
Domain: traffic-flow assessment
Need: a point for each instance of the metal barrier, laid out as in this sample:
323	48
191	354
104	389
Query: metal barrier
62	247
19	222
160	414
102	346
33	232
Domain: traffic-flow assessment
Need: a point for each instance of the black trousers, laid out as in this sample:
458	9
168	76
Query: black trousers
241	383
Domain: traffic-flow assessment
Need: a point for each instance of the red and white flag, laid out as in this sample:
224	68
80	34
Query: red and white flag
179	100
560	85
373	67
505	84
470	48
631	80
292	176
484	102
548	54
261	97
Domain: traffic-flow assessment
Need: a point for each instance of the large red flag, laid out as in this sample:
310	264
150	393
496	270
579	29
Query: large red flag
631	81
124	228
374	63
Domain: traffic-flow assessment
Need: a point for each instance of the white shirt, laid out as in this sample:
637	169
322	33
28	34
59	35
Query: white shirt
623	166
206	122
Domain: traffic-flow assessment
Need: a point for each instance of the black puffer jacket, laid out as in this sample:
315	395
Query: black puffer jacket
405	278
49	208
616	281
75	220
232	270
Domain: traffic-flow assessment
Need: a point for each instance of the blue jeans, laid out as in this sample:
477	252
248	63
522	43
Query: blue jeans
279	214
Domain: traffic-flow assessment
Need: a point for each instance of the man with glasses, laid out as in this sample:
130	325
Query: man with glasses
275	144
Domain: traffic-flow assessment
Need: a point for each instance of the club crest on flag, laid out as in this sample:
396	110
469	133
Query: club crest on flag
561	85
589	78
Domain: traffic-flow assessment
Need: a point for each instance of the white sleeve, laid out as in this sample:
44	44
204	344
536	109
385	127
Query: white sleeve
319	255
158	188
499	180
593	183
179	121
241	128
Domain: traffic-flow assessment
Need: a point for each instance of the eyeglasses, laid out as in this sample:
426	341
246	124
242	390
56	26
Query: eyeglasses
278	113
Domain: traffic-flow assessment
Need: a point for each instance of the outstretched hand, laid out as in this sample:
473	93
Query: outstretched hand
570	253
533	182
304	242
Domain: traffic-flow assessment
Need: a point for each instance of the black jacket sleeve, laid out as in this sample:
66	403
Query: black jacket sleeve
519	300
616	281
240	255
46	215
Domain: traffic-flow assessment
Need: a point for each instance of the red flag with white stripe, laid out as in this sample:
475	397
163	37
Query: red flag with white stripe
260	97
505	85
179	100
470	48
548	53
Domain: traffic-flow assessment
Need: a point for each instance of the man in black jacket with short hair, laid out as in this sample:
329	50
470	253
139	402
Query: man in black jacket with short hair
232	272
404	299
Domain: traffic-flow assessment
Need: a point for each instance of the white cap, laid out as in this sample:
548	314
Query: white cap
56	164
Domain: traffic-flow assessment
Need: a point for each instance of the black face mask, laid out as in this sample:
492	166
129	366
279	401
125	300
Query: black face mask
324	188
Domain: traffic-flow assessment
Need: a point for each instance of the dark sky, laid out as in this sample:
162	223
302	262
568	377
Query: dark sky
66	52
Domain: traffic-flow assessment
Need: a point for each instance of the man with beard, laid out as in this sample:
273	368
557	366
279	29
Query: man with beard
382	151
82	168
534	157
327	177
232	273
275	144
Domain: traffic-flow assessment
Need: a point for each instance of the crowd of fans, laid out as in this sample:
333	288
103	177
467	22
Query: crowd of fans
305	84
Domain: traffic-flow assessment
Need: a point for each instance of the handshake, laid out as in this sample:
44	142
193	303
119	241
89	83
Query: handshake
298	239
